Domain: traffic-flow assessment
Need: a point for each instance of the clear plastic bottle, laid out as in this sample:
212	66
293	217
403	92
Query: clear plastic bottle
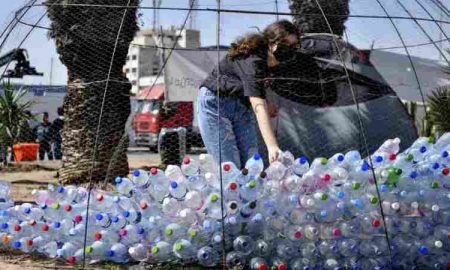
255	165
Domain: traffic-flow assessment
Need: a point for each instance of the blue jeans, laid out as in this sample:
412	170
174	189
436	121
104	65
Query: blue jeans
235	127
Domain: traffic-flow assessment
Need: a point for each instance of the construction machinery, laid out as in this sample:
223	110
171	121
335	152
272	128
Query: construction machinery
22	66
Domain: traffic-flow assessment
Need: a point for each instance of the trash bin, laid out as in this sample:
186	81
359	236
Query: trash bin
172	145
25	151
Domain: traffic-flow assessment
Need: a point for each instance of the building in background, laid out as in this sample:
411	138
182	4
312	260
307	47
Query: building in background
146	53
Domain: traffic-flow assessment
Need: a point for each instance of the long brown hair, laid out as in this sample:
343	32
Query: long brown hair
258	43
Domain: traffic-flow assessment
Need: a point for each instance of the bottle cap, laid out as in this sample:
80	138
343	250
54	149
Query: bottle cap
136	173
178	246
262	266
302	159
226	167
244	171
122	232
413	175
27	210
438	244
168	231
173	184
423	250
88	249
340	194
392	157
4	225
186	160
78	218
252	184
340	158
44	228
336	232
29	242
252	205
143	205
17	228
98	236
60	189
99	197
327	177
356	185
256	156
323	196
445	171
233	186
445	154
192	233
67	207
410	157
32	222
323	161
281	266
233	205
55	205
379	159
141	231
126	213
153	171
214	197
154	250
263	175
376	223
110	253
99	216
435	166
17	244
118	180
435	184
373	200
297	234
422	149
56	224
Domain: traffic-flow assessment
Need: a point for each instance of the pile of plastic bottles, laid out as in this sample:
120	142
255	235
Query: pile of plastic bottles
295	214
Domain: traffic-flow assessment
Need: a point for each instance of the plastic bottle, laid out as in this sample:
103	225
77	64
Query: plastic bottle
184	250
118	253
124	185
138	252
258	263
254	165
177	189
207	164
235	260
244	245
208	257
161	251
189	166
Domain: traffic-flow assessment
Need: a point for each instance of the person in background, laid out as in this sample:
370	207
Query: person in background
235	92
56	130
44	137
26	134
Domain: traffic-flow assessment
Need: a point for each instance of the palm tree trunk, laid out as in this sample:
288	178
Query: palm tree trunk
86	39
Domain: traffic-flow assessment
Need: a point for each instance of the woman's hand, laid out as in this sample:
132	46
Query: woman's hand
274	152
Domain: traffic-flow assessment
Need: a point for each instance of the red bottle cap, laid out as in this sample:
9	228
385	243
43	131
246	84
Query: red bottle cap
445	171
98	236
100	197
143	205
153	170
262	266
32	222
376	223
327	177
122	232
336	232
392	156
186	160
226	167
282	266
78	219
68	207
29	242
17	228
298	234
44	228
233	186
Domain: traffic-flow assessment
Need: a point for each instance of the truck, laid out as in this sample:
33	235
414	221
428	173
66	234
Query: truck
155	113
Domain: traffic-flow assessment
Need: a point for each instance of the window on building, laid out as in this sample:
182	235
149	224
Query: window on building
134	57
127	70
133	82
134	70
128	57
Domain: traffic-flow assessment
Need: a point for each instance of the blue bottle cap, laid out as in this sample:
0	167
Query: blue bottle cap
4	213
257	217
173	184
364	166
423	250
293	198
118	180
340	158
340	194
384	188
423	149
357	202
207	224
256	156
110	253
4	225
444	154
436	165
99	216
403	193
413	175
43	206
27	210
126	213
141	231
56	225
421	192
115	219
379	159
324	213
136	173
60	189
302	159
17	244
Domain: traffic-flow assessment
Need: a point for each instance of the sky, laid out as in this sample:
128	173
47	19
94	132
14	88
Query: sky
362	32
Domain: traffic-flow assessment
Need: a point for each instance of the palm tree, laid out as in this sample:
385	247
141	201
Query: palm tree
309	19
439	109
13	115
92	39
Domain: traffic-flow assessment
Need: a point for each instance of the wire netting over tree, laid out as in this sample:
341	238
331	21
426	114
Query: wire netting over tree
317	146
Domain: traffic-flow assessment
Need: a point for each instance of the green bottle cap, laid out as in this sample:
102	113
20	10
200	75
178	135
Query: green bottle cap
214	197
55	205
168	231
323	161
252	184
88	249
373	200
192	233
178	246
410	157
435	184
356	185
154	250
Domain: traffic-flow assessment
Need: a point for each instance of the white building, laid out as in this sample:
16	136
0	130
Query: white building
144	58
